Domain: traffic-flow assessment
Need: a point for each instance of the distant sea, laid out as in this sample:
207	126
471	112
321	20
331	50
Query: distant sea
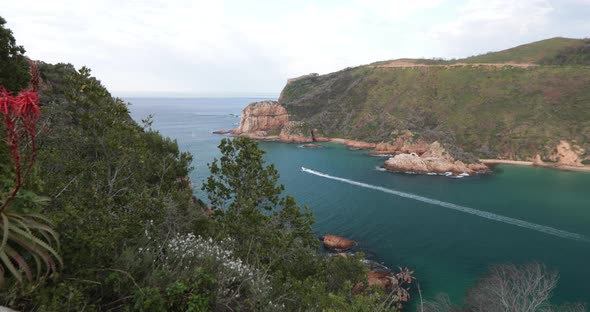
448	230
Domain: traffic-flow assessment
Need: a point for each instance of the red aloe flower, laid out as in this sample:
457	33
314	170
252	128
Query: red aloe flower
28	105
5	102
27	108
22	110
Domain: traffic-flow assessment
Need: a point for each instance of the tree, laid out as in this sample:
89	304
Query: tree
250	208
510	287
14	70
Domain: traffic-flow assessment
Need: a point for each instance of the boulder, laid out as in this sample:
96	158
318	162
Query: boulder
337	243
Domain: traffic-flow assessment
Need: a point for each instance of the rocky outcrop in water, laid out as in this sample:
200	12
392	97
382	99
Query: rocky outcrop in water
337	243
434	159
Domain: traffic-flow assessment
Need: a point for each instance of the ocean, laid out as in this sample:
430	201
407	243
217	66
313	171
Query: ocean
448	230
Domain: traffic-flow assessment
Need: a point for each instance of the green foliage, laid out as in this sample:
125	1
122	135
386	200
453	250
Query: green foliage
271	233
107	178
27	236
573	55
115	173
250	207
14	70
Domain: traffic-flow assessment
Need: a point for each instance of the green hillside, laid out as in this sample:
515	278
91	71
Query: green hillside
553	51
548	51
487	111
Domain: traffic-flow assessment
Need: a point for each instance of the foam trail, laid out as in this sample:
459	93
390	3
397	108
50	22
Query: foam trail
479	213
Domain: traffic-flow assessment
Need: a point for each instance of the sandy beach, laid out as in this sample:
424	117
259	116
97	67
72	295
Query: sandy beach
530	163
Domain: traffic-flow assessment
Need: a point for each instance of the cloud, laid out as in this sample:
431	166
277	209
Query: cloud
481	26
201	46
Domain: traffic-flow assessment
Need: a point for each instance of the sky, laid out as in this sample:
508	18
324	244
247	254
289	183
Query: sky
240	48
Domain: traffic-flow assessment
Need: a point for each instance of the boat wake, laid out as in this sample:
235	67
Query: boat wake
471	211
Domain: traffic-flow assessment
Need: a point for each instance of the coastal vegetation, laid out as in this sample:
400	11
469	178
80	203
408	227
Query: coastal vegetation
98	214
474	107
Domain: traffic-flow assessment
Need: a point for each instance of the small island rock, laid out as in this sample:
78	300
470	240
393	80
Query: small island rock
337	242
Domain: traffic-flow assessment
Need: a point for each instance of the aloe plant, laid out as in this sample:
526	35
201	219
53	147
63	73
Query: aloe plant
25	236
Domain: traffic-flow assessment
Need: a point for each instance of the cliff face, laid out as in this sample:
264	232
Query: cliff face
267	120
262	116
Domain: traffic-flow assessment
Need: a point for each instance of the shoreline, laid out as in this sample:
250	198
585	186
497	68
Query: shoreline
492	162
361	145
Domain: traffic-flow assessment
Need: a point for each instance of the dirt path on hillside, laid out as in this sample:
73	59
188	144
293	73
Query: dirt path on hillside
405	63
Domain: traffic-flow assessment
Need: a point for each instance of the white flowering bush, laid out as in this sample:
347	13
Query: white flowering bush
235	283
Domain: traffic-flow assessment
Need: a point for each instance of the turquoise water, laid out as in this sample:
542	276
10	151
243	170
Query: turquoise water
502	217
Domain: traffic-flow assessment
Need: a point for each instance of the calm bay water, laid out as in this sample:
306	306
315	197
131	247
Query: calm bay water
448	248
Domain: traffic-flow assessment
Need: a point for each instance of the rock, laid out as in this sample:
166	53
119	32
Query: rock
321	139
288	138
260	135
358	144
262	116
385	149
317	137
419	147
416	164
382	279
434	159
434	150
294	132
338	243
538	161
223	131
567	155
407	163
479	168
405	145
